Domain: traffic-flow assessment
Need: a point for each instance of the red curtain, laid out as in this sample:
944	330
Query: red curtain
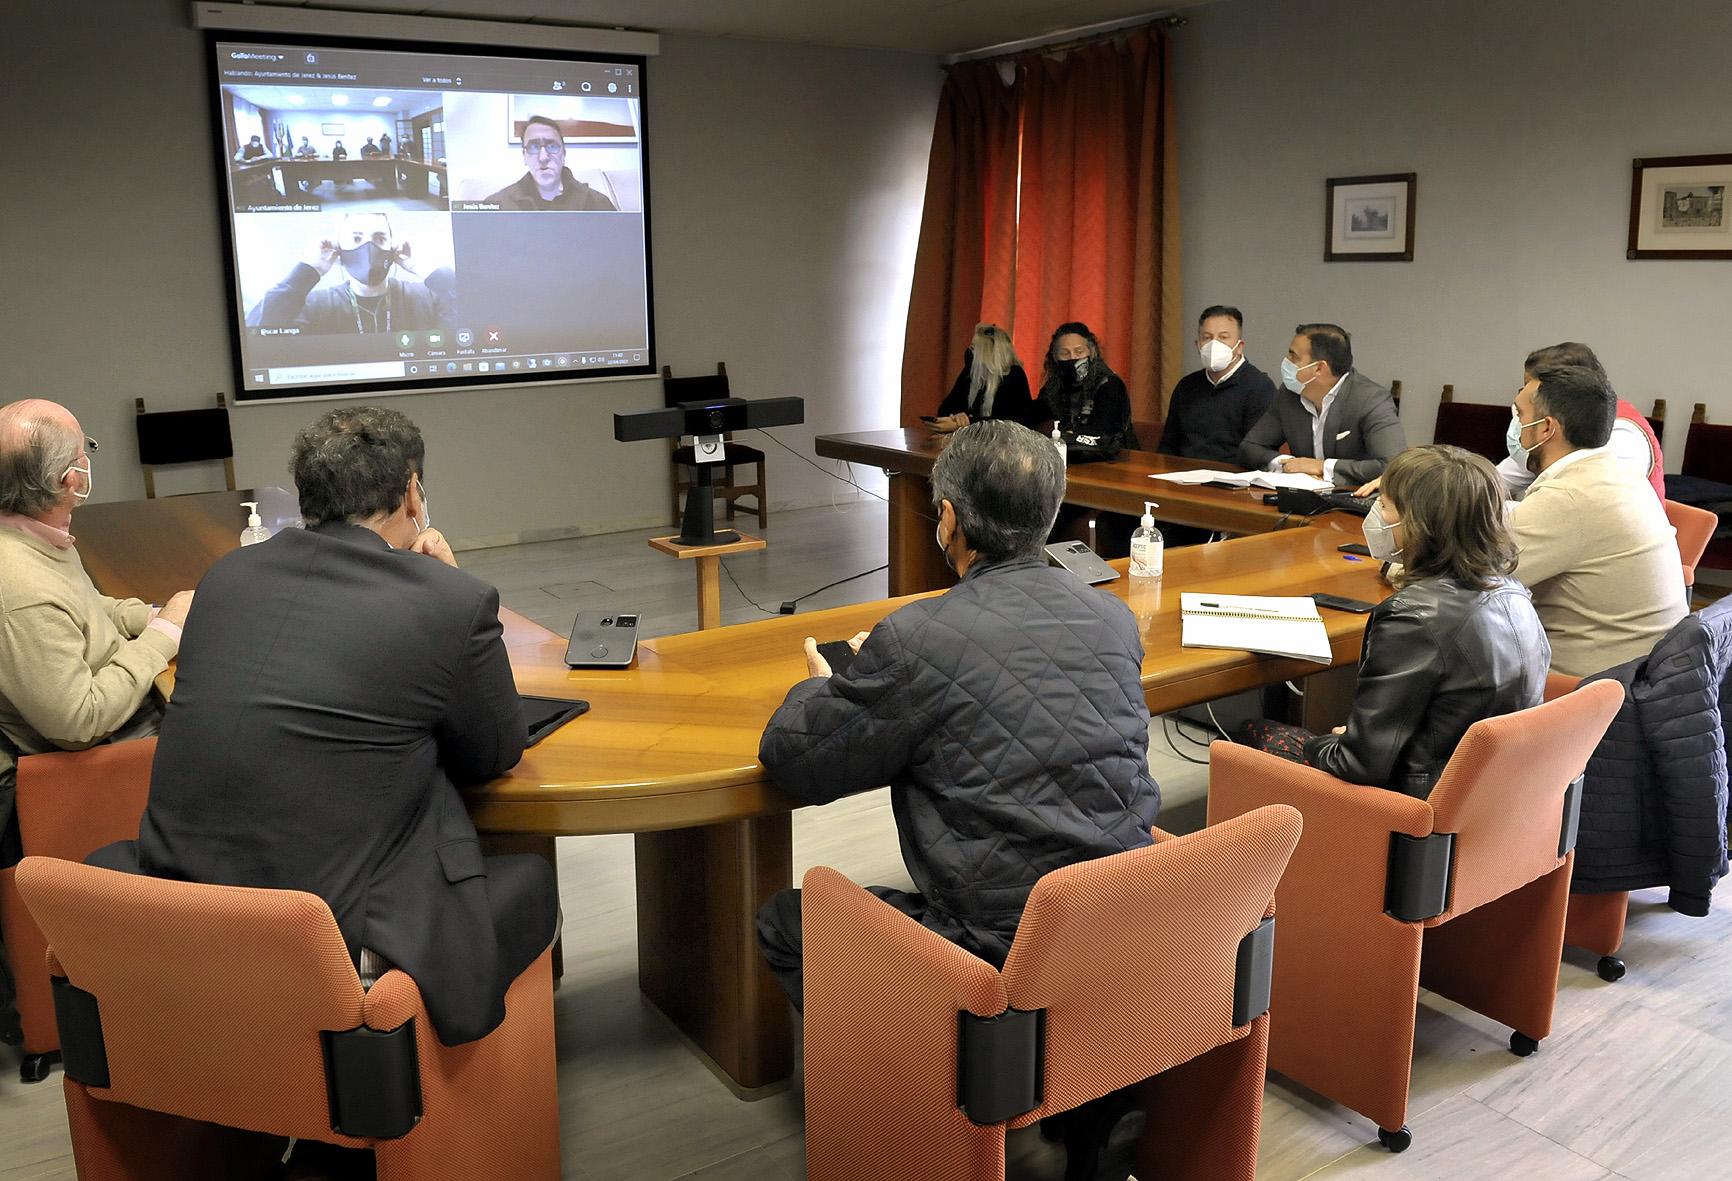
964	266
1092	207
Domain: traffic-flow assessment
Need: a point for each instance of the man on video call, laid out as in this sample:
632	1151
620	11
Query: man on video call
548	184
371	301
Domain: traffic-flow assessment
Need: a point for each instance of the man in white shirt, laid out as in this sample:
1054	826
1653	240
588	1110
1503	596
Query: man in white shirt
1632	441
1596	548
1338	424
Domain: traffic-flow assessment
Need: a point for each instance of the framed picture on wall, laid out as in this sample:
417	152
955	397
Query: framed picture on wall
1679	207
1370	218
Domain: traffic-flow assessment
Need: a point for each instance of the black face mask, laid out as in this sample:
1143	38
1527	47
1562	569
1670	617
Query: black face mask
368	263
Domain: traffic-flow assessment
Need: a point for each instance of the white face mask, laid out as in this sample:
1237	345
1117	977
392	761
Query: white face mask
1380	534
1216	355
88	483
426	521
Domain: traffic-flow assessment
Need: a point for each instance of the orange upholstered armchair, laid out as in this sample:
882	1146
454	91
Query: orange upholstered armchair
189	1011
70	804
1463	892
1695	528
1148	967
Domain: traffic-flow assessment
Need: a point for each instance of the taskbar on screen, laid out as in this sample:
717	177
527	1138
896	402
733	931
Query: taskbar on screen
467	364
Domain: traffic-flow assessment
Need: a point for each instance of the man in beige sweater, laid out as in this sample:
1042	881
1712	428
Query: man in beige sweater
76	667
1596	548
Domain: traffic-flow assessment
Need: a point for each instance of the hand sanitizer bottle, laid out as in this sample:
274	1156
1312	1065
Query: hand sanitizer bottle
1148	549
1058	441
255	531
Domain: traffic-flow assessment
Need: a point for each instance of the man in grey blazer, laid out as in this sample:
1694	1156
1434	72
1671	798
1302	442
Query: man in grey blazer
1339	424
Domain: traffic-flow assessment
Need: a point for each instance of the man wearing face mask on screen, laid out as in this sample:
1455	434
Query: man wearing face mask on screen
1212	410
374	300
1339	424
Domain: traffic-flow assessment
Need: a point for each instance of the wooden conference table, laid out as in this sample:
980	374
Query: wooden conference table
1121	486
668	750
390	172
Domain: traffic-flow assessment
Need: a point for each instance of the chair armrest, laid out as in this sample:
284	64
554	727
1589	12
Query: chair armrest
1242	779
71	803
393	999
882	998
1557	684
1342	862
1161	834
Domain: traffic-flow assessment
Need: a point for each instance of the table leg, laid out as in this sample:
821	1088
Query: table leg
698	893
709	592
915	563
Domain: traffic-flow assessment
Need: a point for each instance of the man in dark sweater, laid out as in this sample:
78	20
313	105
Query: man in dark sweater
548	183
1212	409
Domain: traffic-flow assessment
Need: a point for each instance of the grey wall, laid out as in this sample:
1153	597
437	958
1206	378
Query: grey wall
1521	118
786	190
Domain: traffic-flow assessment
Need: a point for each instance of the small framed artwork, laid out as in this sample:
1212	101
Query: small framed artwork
1370	218
1679	207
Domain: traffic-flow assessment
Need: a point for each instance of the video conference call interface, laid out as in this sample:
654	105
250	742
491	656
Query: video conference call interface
411	219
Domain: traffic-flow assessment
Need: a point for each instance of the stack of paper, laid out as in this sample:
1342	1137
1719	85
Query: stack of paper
1269	480
1255	623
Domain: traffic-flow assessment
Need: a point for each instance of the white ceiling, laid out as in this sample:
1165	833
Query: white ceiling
918	26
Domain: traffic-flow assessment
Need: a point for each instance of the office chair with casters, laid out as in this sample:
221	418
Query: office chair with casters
705	388
70	804
1463	893
188	1012
184	436
1145	969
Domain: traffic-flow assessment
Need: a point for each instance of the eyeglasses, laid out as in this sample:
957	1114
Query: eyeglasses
544	148
89	443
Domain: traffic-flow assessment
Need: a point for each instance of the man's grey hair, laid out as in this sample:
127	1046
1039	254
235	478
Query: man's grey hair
1006	483
355	463
35	452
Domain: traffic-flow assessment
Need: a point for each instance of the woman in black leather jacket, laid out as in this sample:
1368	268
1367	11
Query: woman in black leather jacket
1457	642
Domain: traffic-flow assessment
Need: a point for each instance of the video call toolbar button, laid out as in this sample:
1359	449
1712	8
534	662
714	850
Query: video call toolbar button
405	340
465	337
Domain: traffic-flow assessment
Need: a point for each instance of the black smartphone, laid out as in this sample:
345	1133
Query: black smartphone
1355	547
929	419
839	654
1336	602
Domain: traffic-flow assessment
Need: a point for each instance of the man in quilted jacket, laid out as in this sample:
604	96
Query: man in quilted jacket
1007	714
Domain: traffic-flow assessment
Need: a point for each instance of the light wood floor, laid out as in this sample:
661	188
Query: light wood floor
1633	1083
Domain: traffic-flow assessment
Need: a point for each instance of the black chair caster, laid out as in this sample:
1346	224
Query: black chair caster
1521	1045
1397	1141
1611	969
36	1067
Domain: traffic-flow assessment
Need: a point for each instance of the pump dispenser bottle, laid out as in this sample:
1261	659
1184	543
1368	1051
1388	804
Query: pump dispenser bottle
1148	549
255	531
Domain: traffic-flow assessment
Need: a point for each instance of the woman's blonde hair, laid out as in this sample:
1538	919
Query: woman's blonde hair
993	357
1451	509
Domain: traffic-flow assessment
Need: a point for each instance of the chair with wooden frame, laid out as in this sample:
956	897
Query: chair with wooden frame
184	436
70	804
191	1015
1463	892
702	388
1145	969
1478	427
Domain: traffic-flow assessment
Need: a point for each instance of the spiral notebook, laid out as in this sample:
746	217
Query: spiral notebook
1255	623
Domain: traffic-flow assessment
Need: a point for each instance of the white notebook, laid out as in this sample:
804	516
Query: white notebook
1255	623
1270	480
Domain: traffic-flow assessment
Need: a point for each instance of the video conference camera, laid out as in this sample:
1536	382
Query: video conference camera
707	422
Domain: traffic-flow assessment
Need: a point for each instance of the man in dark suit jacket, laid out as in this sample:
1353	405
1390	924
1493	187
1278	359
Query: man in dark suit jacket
1339	424
336	687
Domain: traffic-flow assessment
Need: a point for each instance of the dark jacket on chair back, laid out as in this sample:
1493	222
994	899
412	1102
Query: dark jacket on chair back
1654	799
331	692
1437	657
1007	716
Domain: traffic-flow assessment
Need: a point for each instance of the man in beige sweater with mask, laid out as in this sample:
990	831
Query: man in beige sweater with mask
1596	548
76	667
